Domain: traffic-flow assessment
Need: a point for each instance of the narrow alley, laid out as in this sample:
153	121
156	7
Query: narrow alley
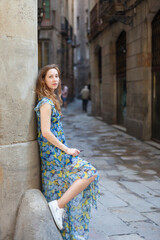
129	206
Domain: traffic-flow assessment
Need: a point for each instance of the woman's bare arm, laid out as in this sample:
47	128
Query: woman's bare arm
45	116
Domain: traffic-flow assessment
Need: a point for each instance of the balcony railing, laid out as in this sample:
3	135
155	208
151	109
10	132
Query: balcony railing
94	19
65	27
106	12
109	8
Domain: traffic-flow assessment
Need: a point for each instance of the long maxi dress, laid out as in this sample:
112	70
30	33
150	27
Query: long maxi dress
59	171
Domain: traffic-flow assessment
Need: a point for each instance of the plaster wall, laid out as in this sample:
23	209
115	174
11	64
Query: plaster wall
19	158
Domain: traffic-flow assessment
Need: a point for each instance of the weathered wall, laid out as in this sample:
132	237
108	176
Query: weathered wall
139	64
19	159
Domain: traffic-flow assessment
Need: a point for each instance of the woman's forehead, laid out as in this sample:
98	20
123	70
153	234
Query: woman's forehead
52	71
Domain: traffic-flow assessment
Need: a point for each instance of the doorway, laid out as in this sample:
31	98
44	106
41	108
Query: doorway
121	78
156	78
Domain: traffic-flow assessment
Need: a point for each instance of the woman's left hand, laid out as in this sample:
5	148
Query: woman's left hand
73	151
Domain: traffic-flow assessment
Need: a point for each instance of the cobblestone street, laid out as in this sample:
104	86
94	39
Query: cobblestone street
129	206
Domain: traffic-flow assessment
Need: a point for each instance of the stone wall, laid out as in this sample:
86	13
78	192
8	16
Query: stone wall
138	72
19	158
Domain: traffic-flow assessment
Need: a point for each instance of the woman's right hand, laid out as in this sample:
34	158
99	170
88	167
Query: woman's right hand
73	151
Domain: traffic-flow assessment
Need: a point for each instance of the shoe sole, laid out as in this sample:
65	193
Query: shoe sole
54	217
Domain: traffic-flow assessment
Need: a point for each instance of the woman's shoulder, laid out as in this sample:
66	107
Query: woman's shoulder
42	101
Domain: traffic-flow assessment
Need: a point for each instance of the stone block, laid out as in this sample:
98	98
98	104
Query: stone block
134	47
134	34
34	219
139	73
153	6
134	128
138	87
20	170
138	101
139	60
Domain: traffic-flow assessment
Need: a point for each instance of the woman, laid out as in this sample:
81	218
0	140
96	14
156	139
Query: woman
68	182
64	96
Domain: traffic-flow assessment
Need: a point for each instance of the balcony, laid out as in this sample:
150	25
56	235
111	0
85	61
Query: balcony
64	27
110	8
106	12
94	18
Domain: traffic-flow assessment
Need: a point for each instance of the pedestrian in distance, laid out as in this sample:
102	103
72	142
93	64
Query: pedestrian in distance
69	183
65	95
85	97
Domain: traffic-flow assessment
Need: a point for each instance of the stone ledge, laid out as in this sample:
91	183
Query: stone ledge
34	220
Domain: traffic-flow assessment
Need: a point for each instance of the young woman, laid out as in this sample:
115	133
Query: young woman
69	183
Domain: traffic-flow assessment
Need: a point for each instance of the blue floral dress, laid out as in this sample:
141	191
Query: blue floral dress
59	171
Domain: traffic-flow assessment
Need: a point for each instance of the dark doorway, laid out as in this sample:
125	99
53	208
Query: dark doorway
156	77
100	78
121	78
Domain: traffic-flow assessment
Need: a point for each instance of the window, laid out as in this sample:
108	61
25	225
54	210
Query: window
78	23
47	9
46	53
43	53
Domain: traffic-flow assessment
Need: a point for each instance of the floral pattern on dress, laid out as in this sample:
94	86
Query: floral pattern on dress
59	171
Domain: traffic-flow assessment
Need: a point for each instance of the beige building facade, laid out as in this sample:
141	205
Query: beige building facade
81	54
125	65
55	39
19	157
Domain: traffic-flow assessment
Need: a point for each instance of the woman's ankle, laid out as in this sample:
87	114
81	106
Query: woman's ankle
60	205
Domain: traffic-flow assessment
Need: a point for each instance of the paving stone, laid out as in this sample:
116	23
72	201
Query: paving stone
128	214
127	237
135	201
155	201
154	216
139	189
147	230
108	222
151	184
131	158
110	200
95	234
149	171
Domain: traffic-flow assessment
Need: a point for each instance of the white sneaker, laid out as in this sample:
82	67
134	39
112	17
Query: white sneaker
57	213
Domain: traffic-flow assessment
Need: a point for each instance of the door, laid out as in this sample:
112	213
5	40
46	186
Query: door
121	78
156	78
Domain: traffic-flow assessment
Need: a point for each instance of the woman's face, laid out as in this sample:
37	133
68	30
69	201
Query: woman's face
52	79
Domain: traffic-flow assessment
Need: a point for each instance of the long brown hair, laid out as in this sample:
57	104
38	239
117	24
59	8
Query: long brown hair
43	90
